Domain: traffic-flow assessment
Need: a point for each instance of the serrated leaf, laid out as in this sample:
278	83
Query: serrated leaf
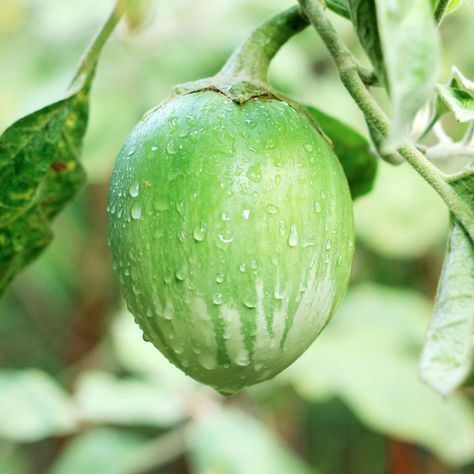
364	18
410	49
352	149
33	406
341	7
458	96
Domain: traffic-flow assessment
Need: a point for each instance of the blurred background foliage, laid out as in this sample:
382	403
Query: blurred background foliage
81	392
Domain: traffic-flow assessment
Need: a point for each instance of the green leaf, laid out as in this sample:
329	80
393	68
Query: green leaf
105	399
368	357
100	451
39	166
33	406
352	149
453	5
449	347
229	441
40	175
341	7
448	353
458	96
364	18
410	49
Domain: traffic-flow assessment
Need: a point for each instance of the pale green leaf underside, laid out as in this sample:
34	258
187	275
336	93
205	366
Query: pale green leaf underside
449	347
410	50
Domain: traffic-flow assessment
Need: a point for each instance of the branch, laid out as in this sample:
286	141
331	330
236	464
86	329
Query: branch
350	77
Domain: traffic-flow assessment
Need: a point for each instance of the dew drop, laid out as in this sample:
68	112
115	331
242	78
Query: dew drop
293	237
242	359
328	244
246	213
136	212
154	148
217	298
220	277
271	209
223	238
199	232
308	147
134	189
317	206
225	217
207	361
243	267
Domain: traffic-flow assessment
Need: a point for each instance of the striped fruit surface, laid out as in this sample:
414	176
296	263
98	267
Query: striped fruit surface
231	232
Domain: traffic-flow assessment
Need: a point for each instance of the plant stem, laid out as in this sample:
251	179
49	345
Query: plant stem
373	113
253	57
440	10
89	58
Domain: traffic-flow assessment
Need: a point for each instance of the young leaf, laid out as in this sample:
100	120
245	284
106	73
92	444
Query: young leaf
410	47
364	18
458	96
137	12
352	149
40	168
448	353
341	7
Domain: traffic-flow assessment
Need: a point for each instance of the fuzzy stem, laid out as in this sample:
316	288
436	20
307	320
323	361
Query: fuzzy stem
348	73
89	58
252	58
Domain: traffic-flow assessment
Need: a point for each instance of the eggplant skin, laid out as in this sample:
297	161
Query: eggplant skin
231	231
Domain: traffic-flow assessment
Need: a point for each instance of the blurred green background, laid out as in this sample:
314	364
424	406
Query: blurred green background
81	392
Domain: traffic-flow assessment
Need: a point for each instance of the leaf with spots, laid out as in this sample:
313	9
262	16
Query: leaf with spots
39	166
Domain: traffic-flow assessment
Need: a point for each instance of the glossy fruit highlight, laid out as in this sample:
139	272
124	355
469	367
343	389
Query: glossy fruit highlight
231	232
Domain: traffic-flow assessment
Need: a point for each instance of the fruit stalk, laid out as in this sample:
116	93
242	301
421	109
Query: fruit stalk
89	59
252	59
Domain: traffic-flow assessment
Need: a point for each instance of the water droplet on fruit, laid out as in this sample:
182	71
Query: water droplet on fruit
277	179
225	217
199	232
136	212
271	209
246	213
207	361
293	237
154	148
169	312
328	244
134	189
217	298
220	277
171	147
180	207
225	239
242	359
243	267
308	147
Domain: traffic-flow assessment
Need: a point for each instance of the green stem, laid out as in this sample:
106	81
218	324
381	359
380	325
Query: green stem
373	113
89	58
252	59
440	10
